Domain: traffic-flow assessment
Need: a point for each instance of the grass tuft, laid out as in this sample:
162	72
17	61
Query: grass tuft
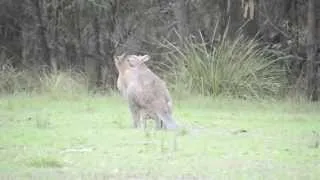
64	83
57	84
42	122
45	162
238	68
13	81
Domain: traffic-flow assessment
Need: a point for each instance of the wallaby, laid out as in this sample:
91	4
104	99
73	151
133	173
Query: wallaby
123	67
147	94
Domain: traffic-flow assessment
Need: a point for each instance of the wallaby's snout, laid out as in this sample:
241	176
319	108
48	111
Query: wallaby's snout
121	63
146	93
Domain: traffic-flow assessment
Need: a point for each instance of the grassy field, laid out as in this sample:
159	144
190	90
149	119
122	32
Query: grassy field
43	137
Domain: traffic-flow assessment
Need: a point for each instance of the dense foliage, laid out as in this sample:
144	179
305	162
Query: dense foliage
59	35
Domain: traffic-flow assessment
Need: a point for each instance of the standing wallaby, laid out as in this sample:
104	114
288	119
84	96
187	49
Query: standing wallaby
146	93
123	67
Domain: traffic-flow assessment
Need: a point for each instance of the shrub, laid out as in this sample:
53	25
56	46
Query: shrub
69	82
13	81
63	82
237	68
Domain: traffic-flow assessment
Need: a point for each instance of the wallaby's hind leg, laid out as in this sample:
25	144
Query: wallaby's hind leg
135	114
162	124
167	121
143	119
158	123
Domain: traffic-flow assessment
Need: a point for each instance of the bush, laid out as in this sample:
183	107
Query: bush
13	81
68	82
63	82
237	68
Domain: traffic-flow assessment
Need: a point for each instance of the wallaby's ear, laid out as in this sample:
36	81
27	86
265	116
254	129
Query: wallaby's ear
119	57
144	58
115	58
135	60
122	55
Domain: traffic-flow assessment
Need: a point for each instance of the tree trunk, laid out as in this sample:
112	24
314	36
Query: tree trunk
78	42
96	27
109	72
181	14
55	51
311	52
42	35
252	26
231	17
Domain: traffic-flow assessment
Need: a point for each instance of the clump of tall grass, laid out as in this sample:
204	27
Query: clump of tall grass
68	82
60	83
237	68
13	81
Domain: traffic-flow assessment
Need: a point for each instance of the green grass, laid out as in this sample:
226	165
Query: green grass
44	137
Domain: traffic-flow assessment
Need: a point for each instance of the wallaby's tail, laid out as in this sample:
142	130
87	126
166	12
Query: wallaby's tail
167	120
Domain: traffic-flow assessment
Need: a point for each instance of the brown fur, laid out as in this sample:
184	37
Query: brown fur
147	94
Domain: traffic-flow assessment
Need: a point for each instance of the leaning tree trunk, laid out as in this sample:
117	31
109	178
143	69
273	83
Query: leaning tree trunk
312	52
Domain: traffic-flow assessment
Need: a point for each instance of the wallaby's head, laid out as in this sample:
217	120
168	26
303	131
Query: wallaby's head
123	62
120	62
136	61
